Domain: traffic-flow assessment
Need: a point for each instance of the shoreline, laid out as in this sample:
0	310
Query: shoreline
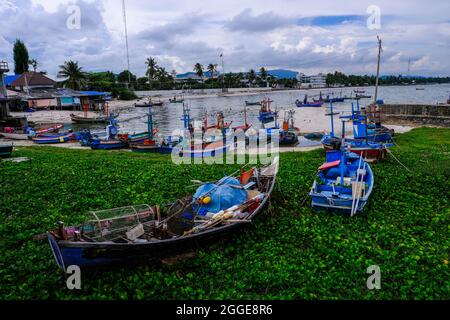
75	145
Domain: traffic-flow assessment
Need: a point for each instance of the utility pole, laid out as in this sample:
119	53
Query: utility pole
409	67
126	41
378	69
223	73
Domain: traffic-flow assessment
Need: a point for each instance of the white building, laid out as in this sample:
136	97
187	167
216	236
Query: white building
318	80
302	78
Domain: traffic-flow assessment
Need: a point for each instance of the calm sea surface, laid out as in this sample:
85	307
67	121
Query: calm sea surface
168	117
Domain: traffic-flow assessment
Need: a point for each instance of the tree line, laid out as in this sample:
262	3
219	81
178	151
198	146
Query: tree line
122	85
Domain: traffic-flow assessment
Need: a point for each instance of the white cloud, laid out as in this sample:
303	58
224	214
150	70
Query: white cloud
251	34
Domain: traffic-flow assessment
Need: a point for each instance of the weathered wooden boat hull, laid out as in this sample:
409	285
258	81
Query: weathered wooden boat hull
309	105
52	139
108	145
266	117
202	153
15	136
95	254
288	139
83	120
6	151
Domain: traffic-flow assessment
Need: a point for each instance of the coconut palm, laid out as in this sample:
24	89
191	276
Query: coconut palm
73	74
251	76
263	73
161	74
198	68
212	68
152	68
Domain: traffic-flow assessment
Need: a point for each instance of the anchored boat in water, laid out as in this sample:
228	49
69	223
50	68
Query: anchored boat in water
136	233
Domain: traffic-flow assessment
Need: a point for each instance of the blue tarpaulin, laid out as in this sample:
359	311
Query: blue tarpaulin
223	195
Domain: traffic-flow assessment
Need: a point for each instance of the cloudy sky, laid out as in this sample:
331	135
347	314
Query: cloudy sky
307	36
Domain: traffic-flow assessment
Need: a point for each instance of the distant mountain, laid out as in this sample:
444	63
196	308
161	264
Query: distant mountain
283	74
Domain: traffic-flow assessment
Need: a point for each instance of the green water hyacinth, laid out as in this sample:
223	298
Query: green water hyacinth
290	252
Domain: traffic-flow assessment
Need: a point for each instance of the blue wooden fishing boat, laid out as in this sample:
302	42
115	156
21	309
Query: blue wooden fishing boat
306	104
343	184
266	115
53	139
108	144
370	150
334	100
111	141
138	233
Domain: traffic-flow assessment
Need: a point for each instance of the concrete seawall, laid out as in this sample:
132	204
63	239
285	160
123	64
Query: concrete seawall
438	115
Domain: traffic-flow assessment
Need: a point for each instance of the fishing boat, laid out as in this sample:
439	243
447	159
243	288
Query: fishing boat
289	133
332	99
27	133
89	120
55	128
306	104
111	141
143	105
250	103
266	115
220	122
246	125
370	150
53	139
136	138
6	150
363	96
343	184
176	100
202	150
134	234
359	91
108	144
15	136
314	136
148	146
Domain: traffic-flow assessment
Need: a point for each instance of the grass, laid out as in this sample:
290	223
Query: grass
291	252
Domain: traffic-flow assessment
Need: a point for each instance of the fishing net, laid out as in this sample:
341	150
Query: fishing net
115	223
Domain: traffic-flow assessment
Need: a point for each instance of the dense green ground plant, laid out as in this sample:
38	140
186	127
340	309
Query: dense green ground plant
290	252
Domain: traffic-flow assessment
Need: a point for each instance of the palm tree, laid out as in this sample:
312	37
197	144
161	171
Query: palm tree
33	63
161	74
251	76
73	74
152	68
198	68
212	68
263	74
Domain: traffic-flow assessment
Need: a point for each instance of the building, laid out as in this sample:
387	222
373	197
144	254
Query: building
29	80
318	81
302	78
193	76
